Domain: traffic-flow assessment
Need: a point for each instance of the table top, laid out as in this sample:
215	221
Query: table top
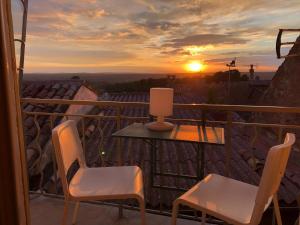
184	133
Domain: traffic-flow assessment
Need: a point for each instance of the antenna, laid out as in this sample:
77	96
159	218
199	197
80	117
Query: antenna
251	70
230	65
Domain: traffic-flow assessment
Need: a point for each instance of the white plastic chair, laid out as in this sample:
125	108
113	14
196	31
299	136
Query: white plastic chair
104	183
236	202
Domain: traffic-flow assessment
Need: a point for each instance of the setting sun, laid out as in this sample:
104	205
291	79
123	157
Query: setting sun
194	66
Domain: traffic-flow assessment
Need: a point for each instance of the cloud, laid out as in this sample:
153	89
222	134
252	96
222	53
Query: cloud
205	39
86	54
157	31
148	4
173	52
159	25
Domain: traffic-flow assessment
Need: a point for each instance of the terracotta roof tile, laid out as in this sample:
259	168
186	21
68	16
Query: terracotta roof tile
47	90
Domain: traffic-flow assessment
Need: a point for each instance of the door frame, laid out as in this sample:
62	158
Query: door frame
14	201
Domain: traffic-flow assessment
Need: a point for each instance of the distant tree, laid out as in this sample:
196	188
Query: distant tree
143	85
75	78
244	77
211	96
221	76
235	75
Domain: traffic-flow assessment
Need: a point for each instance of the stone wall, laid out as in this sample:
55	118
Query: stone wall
284	89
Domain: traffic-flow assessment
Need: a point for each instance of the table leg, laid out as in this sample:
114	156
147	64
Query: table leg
200	161
152	161
161	178
198	174
155	157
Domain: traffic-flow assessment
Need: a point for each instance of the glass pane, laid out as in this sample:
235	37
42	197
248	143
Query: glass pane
17	14
18	52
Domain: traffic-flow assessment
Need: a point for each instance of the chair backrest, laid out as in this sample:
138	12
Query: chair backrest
272	174
68	149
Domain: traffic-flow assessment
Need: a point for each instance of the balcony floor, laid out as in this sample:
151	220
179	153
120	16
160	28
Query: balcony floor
48	211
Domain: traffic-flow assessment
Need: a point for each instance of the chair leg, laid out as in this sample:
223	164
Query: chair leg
203	219
142	211
277	210
174	212
65	215
75	213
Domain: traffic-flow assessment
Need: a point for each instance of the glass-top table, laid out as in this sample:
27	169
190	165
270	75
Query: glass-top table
200	135
185	133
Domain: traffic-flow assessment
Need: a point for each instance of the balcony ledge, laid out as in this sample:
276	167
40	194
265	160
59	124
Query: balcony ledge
48	211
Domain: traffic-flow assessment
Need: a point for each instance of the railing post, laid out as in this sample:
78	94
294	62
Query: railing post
119	157
83	134
119	154
38	161
280	129
203	119
54	157
228	143
101	145
252	144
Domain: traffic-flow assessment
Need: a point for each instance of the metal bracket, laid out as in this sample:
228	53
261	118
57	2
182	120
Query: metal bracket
279	43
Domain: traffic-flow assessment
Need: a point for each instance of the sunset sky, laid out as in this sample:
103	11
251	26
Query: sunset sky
154	36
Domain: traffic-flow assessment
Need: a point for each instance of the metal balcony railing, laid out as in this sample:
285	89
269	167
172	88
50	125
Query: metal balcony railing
114	112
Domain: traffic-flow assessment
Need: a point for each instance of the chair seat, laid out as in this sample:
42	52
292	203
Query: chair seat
225	198
107	183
